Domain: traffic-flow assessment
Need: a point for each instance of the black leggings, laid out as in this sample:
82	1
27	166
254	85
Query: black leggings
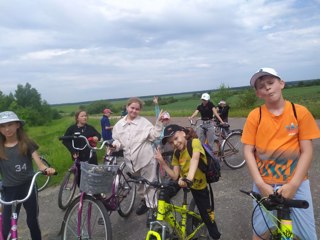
31	207
202	200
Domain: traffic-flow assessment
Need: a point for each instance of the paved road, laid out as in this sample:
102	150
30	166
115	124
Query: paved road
233	209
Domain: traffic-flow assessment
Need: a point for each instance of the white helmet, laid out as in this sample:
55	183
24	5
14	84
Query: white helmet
205	96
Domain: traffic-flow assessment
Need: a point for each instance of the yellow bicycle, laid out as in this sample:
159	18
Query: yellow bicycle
179	222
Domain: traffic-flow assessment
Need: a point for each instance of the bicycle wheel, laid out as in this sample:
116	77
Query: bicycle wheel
125	192
67	190
94	220
232	151
43	180
194	222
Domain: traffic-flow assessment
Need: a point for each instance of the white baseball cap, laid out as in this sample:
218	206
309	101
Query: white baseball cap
205	96
263	72
166	115
8	116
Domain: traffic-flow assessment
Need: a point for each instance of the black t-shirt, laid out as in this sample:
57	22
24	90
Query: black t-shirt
224	112
206	111
87	131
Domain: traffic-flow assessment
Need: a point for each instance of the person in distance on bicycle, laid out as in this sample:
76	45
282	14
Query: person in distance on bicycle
81	126
106	128
278	150
16	153
223	110
206	109
186	171
135	136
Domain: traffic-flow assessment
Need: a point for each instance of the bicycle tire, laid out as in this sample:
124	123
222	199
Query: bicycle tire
125	192
99	221
43	180
67	190
232	151
193	223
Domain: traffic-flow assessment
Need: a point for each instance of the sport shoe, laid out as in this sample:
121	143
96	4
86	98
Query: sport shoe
142	208
152	216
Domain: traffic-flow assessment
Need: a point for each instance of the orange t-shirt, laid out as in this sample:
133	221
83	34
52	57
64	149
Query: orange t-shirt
276	139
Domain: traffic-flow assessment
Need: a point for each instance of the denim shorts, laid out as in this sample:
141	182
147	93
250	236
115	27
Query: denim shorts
303	223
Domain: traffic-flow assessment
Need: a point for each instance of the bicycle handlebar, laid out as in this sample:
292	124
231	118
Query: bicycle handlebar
77	135
155	184
274	201
29	191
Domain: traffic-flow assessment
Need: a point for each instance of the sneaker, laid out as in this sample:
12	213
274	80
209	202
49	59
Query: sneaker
152	216
142	208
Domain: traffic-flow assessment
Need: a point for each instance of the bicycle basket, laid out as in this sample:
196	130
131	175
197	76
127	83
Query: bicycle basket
96	179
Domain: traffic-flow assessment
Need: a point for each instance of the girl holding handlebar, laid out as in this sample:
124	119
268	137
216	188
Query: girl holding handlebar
16	153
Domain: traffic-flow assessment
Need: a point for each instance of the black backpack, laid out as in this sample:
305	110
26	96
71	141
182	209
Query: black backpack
293	109
212	169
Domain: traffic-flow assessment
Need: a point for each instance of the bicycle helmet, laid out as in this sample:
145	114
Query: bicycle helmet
205	97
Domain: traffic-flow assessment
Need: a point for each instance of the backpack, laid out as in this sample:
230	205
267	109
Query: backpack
212	169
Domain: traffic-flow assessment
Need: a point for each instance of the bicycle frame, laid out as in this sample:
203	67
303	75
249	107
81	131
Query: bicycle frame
14	215
166	213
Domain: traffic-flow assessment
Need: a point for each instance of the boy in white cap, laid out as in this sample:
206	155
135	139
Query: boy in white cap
278	149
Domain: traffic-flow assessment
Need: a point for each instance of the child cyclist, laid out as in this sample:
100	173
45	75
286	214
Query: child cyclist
186	171
16	154
278	150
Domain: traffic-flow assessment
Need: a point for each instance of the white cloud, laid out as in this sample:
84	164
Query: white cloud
99	49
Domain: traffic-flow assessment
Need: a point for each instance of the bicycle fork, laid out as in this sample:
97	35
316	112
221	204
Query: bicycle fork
14	219
88	216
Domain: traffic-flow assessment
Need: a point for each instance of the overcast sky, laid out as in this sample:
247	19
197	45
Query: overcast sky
83	50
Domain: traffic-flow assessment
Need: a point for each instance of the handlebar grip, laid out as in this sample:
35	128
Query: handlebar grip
296	203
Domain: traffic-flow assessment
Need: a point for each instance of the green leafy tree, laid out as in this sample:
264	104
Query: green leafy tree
247	99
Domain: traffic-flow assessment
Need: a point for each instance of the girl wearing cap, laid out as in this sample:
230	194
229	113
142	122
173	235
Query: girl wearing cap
16	153
135	135
186	171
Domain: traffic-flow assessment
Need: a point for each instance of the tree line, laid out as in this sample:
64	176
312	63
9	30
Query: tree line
27	103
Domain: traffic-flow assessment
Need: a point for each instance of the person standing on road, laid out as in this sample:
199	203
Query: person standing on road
185	170
278	150
207	109
135	136
106	128
16	153
81	126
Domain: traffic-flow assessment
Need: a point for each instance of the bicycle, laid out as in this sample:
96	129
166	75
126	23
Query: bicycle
87	217
43	180
228	147
282	206
14	216
70	181
179	222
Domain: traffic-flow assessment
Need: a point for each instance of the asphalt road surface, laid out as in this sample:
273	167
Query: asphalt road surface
233	209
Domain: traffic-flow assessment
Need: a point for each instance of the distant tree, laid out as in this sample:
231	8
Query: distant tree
27	103
97	107
222	93
247	99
